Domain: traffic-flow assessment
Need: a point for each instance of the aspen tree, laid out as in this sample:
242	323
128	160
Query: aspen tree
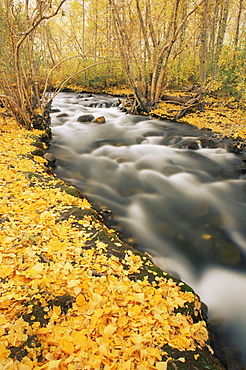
19	81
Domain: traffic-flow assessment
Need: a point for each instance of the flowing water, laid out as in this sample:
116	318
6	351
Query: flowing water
185	207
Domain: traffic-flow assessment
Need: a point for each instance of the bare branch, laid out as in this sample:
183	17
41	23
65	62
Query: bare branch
38	21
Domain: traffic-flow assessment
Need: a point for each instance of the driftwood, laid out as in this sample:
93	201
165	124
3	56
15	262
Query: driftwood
187	103
193	101
179	100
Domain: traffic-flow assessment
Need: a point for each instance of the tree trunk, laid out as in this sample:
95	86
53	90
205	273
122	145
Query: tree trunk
221	32
203	50
21	92
237	29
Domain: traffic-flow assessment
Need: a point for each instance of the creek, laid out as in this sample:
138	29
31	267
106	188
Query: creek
181	202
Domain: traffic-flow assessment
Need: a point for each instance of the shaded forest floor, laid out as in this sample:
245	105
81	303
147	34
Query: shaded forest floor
72	294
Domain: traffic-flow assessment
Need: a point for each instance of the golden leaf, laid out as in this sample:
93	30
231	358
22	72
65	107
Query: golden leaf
109	330
206	236
80	300
5	271
162	365
67	346
4	352
134	310
24	367
51	365
80	340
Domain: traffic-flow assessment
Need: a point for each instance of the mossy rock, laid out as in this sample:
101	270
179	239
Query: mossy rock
70	190
78	214
191	360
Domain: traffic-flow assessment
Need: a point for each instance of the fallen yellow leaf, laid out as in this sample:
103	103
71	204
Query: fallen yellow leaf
67	346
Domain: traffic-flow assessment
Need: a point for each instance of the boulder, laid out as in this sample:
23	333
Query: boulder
51	159
86	118
61	115
192	145
100	119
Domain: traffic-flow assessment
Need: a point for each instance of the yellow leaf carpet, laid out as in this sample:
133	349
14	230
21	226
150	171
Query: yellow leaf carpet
216	117
65	302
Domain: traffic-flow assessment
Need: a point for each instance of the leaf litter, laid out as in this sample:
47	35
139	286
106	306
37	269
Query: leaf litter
216	116
64	305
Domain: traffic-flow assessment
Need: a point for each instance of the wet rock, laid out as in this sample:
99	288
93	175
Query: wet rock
241	171
122	160
141	140
171	140
100	119
194	145
38	152
206	142
108	218
61	115
103	105
117	104
227	253
171	170
86	118
144	141
151	133
39	148
229	356
103	142
232	364
51	159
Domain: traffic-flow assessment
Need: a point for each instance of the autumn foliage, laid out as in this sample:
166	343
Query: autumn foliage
105	43
65	301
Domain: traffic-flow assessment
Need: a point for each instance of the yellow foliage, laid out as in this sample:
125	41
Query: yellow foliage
216	116
107	320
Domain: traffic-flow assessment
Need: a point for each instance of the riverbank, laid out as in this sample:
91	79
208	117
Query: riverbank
223	116
217	116
73	295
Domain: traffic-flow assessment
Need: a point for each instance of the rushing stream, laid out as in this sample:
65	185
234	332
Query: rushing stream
185	207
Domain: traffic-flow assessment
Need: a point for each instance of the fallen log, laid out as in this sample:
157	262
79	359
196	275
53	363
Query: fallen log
171	99
187	103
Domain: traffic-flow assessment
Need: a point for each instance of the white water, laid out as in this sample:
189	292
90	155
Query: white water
185	207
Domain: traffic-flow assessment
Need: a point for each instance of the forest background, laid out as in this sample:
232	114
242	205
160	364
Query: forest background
149	47
152	50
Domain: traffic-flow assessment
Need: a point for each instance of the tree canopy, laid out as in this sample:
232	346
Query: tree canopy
149	45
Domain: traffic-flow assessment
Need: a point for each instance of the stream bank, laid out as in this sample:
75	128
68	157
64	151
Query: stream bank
110	164
72	293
